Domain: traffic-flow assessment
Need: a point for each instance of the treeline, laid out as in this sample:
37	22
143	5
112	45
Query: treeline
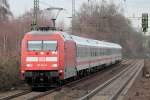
8	43
12	31
105	21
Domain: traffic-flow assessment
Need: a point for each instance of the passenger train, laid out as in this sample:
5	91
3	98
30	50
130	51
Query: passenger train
50	57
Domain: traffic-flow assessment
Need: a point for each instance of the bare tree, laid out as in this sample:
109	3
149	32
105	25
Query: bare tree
107	22
5	12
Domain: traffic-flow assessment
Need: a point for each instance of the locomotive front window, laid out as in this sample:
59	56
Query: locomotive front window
34	45
42	45
49	45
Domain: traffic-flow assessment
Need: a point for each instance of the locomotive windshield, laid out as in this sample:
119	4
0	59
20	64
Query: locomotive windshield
34	45
49	45
42	45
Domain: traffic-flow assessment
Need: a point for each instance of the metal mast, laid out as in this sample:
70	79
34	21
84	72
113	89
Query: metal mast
73	13
73	8
35	14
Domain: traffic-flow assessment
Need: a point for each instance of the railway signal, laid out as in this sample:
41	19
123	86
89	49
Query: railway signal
144	22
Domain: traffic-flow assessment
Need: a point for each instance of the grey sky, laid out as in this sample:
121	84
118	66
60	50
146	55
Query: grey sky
20	6
131	7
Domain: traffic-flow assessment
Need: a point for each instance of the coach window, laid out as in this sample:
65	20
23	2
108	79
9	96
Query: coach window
102	53
77	51
88	51
95	52
80	52
92	51
49	45
108	51
105	51
99	52
34	45
83	51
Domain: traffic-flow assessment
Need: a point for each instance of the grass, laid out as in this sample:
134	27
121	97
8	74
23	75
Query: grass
9	72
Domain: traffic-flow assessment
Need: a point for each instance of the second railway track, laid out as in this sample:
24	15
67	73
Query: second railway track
111	89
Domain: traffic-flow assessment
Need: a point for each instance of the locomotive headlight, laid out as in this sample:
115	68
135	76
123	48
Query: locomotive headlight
54	65
29	65
22	71
42	53
54	52
60	71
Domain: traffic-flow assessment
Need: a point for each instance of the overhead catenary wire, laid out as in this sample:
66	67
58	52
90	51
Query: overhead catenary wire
45	3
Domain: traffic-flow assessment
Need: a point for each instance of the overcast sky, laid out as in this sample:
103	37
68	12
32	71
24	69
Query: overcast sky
131	7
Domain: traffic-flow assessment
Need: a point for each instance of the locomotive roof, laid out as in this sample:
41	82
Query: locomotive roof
78	40
41	32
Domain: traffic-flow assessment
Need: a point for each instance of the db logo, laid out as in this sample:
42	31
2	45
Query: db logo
41	65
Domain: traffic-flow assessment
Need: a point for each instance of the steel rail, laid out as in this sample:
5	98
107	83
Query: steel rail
15	95
99	88
69	84
114	97
53	90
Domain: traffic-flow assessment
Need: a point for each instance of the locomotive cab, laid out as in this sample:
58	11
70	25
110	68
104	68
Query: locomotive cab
40	59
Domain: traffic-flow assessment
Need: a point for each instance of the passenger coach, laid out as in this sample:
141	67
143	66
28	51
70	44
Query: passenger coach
49	57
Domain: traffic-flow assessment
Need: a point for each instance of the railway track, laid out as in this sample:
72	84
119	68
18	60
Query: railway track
73	85
79	84
111	89
30	95
15	95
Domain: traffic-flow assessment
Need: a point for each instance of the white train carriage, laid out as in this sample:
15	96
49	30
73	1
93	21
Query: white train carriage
93	53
